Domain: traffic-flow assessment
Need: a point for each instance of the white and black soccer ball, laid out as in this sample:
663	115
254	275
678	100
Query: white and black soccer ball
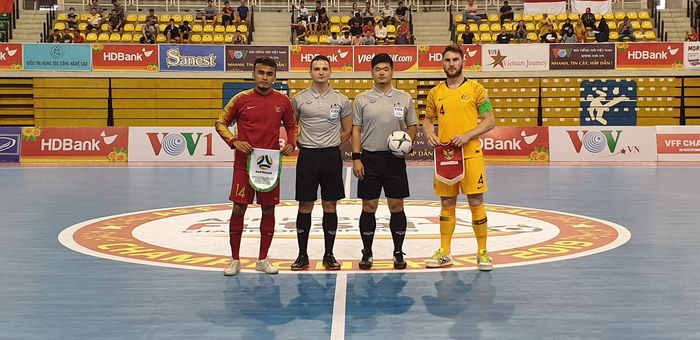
399	143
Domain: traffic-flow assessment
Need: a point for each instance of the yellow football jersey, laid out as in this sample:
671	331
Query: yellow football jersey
458	111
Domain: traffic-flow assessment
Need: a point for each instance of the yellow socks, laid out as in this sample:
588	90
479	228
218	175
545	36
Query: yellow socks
478	224
447	227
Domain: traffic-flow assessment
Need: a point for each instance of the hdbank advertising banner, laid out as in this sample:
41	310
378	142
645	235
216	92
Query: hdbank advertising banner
177	144
341	57
192	58
525	57
10	56
650	56
678	143
512	143
79	144
124	57
603	144
9	144
57	57
691	61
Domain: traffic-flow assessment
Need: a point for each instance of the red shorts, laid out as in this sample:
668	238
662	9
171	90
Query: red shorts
243	193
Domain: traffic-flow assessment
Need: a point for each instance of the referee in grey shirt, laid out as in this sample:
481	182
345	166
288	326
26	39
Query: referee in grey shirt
325	123
379	112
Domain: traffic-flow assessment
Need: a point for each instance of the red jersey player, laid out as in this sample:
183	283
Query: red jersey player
258	113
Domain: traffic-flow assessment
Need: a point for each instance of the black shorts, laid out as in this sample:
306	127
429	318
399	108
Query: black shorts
383	170
324	167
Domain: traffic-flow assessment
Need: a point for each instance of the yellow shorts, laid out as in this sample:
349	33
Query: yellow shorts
474	181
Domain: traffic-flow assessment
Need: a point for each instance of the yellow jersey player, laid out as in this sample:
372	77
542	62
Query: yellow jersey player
464	113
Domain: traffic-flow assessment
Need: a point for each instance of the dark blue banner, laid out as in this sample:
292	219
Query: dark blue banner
10	142
192	58
608	103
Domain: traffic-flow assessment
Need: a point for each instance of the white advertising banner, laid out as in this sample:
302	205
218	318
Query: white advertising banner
602	143
691	60
678	143
177	144
516	57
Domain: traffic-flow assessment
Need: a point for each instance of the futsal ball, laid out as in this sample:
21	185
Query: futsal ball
399	143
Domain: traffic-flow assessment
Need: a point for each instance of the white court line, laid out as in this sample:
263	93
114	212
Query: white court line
348	181
338	322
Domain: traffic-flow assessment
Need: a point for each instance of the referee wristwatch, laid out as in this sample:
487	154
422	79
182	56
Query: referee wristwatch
356	156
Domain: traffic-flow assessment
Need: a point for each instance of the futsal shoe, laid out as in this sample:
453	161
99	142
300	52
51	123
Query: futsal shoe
330	263
483	261
301	263
367	259
232	268
439	259
266	267
399	262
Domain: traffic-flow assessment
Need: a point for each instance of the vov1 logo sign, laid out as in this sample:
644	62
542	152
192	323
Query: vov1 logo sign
608	103
178	144
632	143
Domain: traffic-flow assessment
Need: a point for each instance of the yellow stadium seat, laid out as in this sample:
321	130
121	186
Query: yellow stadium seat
555	26
562	17
82	26
312	39
129	28
461	28
390	29
242	28
608	16
635	25
632	15
131	18
141	18
231	29
493	17
245	39
614	35
643	15
344	28
495	27
611	25
484	28
207	39
598	16
532	36
164	18
639	35
208	29
62	17
188	17
573	16
649	35
218	38
136	38
104	27
83	17
517	17
161	38
345	19
509	27
323	39
126	37
91	37
335	29
335	20
177	18
228	38
115	37
647	25
538	17
530	26
485	37
138	28
196	28
459	18
619	15
219	29
103	37
527	17
196	38
473	27
59	26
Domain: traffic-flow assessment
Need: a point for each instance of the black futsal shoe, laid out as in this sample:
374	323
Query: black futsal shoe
399	262
301	263
330	263
367	259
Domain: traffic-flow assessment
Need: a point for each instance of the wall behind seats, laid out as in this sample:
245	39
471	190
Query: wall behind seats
70	101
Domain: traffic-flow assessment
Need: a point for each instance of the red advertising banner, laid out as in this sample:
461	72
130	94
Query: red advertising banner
125	57
10	56
686	144
650	56
340	56
512	143
102	144
430	58
405	57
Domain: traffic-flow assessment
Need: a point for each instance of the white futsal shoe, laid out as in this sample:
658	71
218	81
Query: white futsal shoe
266	267
440	259
232	268
483	261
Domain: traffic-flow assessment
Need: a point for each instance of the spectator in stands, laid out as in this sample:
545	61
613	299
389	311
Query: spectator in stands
242	11
355	29
66	38
403	34
354	11
323	23
506	12
313	23
403	39
93	20
368	39
367	14
55	37
580	31
568	37
227	14
72	21
185	31
625	30
470	12
387	14
334	39
426	5
368	28
300	32
550	37
149	34
357	39
209	13
588	19
567	27
95	5
467	37
602	33
521	31
239	39
119	9
302	14
401	11
346	39
77	38
172	33
691	36
504	37
380	32
319	9
115	24
545	25
152	15
357	17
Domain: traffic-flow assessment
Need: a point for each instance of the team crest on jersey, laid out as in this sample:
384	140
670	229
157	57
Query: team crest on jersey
278	109
465	97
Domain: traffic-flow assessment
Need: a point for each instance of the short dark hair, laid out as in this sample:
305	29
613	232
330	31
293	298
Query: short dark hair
186	22
320	57
382	58
151	10
265	61
453	48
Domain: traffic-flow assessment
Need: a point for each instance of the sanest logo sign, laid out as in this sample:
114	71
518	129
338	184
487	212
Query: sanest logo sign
175	144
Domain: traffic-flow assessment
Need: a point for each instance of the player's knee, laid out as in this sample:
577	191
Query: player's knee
395	205
370	206
448	201
329	206
475	200
239	209
268	210
306	207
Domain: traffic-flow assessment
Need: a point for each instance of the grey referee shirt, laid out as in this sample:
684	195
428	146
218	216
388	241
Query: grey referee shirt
319	117
380	114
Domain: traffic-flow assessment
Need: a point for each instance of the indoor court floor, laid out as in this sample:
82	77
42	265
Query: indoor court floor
644	287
